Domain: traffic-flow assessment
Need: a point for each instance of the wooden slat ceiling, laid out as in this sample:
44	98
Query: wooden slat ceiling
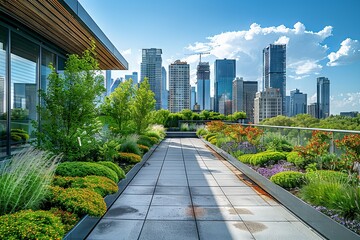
50	19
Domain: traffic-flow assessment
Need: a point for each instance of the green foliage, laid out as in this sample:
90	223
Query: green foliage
101	185
278	121
110	149
295	158
153	134
260	159
288	179
173	119
246	158
145	140
68	219
143	105
277	142
130	147
24	181
187	114
80	201
236	116
144	149
28	225
113	166
201	132
129	157
82	169
67	111
160	116
237	153
326	175
207	136
118	107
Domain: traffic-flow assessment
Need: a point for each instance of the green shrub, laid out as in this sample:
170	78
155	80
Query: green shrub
288	179
145	140
153	134
201	132
101	185
130	147
213	141
212	138
68	219
30	224
276	142
113	166
326	175
207	136
80	201
129	157
184	127
82	169
144	149
260	159
110	149
295	158
237	153
154	140
25	180
245	158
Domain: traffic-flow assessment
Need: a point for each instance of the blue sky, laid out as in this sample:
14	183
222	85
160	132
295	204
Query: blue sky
322	36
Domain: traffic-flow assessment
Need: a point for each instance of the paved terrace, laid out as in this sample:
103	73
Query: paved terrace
184	191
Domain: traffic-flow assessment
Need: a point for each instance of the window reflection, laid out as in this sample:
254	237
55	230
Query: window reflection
3	102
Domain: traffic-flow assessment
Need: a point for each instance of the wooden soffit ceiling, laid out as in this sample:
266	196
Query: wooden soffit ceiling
66	24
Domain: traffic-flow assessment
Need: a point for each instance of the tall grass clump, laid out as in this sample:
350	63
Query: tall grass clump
25	180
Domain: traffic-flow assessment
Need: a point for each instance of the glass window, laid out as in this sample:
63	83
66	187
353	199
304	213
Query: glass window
3	85
47	58
24	94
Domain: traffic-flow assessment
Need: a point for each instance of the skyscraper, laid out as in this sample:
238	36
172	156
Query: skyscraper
312	110
164	91
274	70
203	85
249	93
108	82
298	102
192	97
151	68
267	104
238	95
179	86
134	77
323	97
225	72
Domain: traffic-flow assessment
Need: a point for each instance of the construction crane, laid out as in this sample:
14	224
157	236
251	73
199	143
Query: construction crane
199	53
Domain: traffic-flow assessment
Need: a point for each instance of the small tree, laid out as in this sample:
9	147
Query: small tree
118	107
68	112
144	104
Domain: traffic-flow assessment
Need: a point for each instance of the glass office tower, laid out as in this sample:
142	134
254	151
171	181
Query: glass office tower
203	85
323	97
225	72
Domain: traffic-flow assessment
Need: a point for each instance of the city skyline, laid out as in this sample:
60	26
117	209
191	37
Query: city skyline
321	37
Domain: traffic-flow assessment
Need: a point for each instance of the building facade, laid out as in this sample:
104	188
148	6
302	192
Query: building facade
134	76
151	68
30	41
238	95
179	86
250	89
298	102
164	91
312	110
267	104
203	85
193	98
225	72
323	97
274	70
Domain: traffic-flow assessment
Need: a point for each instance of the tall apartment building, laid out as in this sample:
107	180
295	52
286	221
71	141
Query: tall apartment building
164	91
134	77
250	89
225	72
298	102
238	95
192	97
274	70
179	86
267	104
203	85
323	97
151	68
312	110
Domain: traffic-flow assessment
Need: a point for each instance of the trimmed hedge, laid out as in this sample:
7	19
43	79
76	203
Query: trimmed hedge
245	158
80	201
101	185
295	158
113	166
143	148
67	218
288	179
82	169
260	159
129	157
30	225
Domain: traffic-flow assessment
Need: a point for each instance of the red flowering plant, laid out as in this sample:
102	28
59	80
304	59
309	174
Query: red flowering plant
236	132
215	126
253	135
317	147
350	144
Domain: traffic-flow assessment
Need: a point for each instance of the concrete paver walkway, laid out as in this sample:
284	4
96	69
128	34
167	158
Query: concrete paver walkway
185	192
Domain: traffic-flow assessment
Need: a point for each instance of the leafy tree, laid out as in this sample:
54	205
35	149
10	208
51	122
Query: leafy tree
68	111
204	114
278	121
236	116
143	105
187	114
118	108
304	120
160	116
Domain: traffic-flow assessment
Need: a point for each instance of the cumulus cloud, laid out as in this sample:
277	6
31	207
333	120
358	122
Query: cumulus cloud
348	52
345	102
126	52
305	48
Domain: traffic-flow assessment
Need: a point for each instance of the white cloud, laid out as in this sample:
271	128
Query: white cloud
126	52
349	51
305	49
345	102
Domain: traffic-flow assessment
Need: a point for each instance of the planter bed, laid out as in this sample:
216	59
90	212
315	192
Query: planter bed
323	224
82	229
